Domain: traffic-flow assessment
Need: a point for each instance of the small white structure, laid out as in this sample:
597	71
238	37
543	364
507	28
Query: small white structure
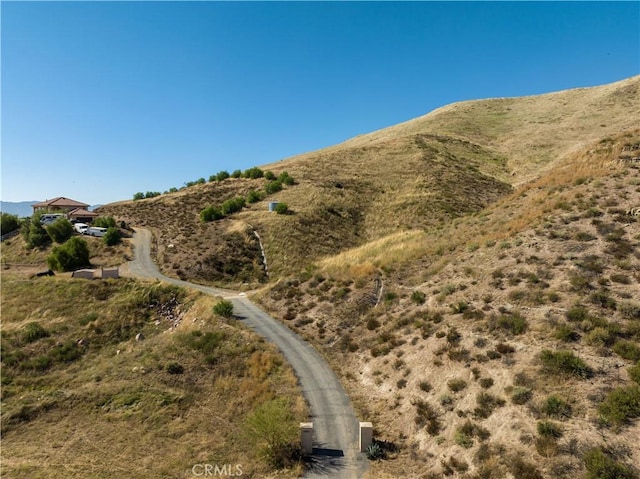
83	273
272	205
366	435
102	273
306	438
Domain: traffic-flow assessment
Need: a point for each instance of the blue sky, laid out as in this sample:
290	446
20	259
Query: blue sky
104	99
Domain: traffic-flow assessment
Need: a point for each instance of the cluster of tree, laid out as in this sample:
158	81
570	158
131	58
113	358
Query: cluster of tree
213	213
148	194
250	173
73	251
8	223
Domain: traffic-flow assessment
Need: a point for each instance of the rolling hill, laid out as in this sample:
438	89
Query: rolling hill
471	274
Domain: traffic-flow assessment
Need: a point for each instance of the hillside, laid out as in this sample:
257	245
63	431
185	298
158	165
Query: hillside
413	176
502	342
122	378
471	274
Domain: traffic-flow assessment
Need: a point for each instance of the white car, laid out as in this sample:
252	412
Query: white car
95	231
81	227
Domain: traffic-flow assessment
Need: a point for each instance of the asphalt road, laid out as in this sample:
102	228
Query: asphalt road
335	426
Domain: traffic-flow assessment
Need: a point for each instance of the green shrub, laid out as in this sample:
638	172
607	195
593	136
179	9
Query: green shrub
221	175
60	230
282	209
634	372
514	323
270	175
210	213
33	331
521	395
621	405
418	297
549	429
175	368
603	299
72	255
486	383
456	385
112	236
253	173
566	333
273	187
601	465
556	407
236	174
104	222
273	426
138	196
577	313
627	349
486	404
565	362
254	196
34	233
232	205
8	223
224	308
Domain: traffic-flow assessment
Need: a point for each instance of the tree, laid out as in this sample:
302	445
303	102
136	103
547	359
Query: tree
282	208
72	255
273	424
254	196
138	196
232	205
269	175
210	213
236	174
60	230
273	187
224	308
104	222
8	223
286	179
34	233
253	173
221	175
112	236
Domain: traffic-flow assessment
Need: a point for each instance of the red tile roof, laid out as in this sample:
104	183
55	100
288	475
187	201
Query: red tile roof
81	212
60	202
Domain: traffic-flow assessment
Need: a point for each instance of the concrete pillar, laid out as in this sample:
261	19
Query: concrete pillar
366	435
306	438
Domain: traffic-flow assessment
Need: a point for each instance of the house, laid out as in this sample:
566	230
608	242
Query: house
75	210
81	215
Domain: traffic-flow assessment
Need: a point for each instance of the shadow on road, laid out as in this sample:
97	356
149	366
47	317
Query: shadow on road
325	461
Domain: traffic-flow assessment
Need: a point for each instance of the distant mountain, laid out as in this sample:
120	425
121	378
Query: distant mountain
19	208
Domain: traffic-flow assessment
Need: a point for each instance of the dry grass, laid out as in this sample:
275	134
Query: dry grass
116	406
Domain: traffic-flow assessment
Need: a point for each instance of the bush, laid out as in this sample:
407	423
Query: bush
282	209
211	213
556	407
634	372
273	425
104	222
286	179
254	196
514	323
112	237
72	255
621	405
34	233
600	465
33	331
224	308
175	368
627	350
221	175
8	223
418	297
521	395
577	313
138	196
232	205
60	230
427	416
270	175
253	173
456	385
273	187
565	362
549	429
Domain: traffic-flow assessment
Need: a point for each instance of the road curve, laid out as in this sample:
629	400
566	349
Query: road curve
335	426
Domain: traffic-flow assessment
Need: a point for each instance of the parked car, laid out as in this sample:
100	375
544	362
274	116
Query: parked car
95	231
81	227
49	218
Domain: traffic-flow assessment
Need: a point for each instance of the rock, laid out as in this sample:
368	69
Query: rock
139	337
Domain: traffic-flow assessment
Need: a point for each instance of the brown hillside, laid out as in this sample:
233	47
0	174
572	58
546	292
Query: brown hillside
413	176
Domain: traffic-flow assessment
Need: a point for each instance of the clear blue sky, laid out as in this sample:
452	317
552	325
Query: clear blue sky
104	99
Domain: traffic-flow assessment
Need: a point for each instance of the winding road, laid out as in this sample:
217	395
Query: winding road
335	426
